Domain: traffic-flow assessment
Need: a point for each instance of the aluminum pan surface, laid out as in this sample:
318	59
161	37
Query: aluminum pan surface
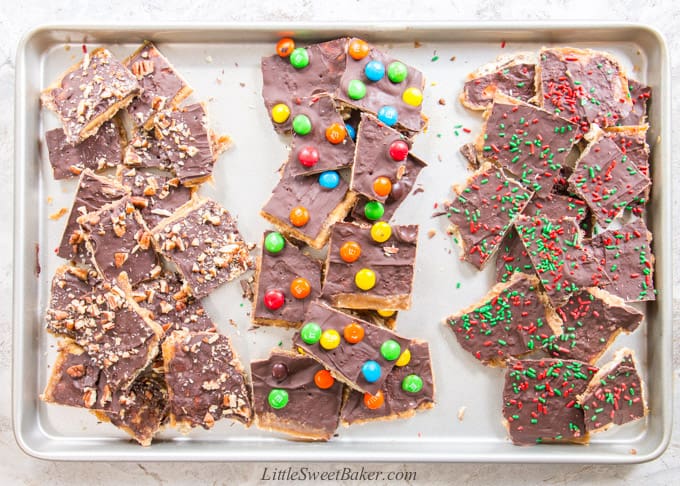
216	59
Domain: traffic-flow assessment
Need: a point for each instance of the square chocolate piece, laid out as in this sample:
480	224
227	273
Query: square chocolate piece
409	388
101	151
367	273
206	381
295	395
639	96
356	352
162	86
90	93
286	281
203	241
540	400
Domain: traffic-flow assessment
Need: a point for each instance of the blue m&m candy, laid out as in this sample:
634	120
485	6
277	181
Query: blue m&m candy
388	115
371	371
374	70
329	179
351	131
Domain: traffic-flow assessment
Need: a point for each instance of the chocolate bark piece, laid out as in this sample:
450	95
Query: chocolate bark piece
114	331
615	395
564	264
482	211
345	361
311	412
513	75
101	151
162	86
93	192
557	206
606	179
583	86
626	254
398	402
206	381
470	153
639	96
169	304
141	410
119	241
322	113
70	282
284	84
512	320
632	141
163	195
90	93
591	321
512	257
204	243
539	400
526	141
373	160
325	207
392	261
276	272
383	92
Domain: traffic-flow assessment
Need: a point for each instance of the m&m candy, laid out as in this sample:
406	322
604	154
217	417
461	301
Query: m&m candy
412	96
356	89
274	242
285	46
308	156
382	186
374	402
299	216
404	359
278	398
310	333
353	333
365	279
300	288
371	371
398	150
329	179
397	192
397	71
279	371
323	379
330	339
412	384
302	125
374	210
335	133
358	49
388	115
280	113
390	350
299	58
351	131
381	232
350	251
386	312
274	299
374	70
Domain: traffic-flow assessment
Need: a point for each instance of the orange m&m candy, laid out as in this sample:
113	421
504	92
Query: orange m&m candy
350	251
300	288
353	333
335	133
285	46
358	49
374	401
299	216
382	186
324	379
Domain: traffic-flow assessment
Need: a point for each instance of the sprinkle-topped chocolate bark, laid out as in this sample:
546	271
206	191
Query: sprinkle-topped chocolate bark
512	75
162	87
203	241
512	257
512	320
526	141
90	93
101	151
591	320
583	86
206	381
295	395
539	400
482	212
286	282
371	267
409	388
639	96
615	395
356	352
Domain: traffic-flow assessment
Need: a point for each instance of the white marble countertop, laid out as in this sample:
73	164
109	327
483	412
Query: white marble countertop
18	468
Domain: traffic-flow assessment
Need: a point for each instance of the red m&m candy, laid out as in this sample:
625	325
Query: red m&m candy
308	156
398	150
274	299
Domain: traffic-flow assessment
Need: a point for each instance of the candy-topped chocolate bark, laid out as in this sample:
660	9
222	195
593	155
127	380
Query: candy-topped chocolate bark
409	388
591	321
639	96
206	380
296	395
356	352
526	141
286	281
376	83
615	395
305	208
583	86
162	86
302	73
513	319
90	93
539	400
512	75
101	151
204	243
483	210
371	267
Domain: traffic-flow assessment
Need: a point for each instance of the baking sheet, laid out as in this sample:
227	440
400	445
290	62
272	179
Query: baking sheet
221	62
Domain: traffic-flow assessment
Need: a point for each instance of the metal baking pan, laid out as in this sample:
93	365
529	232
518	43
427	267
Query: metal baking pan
222	63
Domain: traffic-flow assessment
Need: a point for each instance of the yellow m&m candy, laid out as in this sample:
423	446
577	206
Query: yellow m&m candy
381	232
280	113
404	359
330	339
365	279
412	96
386	312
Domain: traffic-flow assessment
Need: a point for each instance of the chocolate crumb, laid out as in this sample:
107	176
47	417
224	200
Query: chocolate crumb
431	233
442	101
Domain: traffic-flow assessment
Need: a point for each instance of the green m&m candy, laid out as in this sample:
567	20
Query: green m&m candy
374	210
397	71
302	125
274	242
299	58
412	384
390	350
277	398
356	89
311	333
